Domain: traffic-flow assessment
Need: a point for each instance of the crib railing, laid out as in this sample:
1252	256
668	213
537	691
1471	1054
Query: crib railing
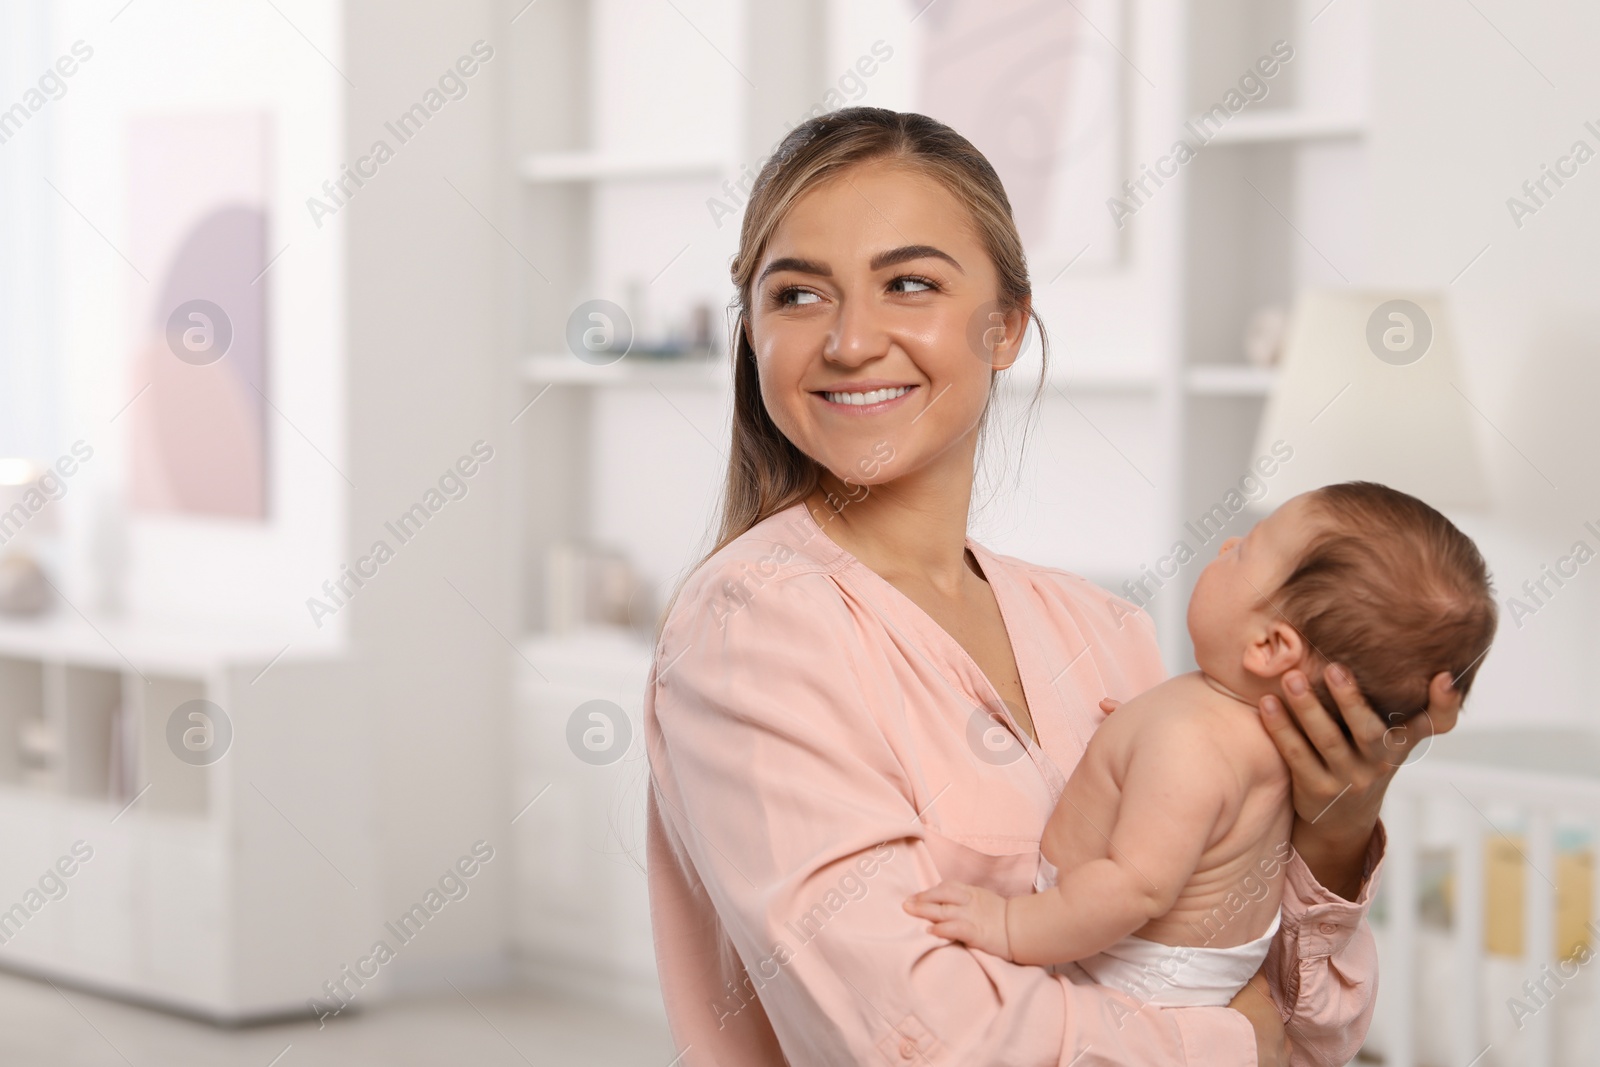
1471	802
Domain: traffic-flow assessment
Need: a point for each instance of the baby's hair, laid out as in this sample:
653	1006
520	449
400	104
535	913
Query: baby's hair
1394	592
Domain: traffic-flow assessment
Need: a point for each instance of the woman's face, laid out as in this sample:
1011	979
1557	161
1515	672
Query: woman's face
874	323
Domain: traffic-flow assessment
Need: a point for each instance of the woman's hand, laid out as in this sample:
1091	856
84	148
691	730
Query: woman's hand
1339	787
966	913
1254	1003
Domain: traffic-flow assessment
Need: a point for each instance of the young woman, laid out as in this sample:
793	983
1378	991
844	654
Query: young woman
852	700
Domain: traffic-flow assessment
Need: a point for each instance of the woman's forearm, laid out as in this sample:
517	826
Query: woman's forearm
1336	857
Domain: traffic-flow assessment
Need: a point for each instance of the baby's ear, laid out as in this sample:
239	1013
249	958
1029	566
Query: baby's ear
1273	649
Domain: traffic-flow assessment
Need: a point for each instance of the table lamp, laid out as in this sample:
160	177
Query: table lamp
27	519
1370	388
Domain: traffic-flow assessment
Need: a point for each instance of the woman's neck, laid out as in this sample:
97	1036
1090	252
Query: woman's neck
915	525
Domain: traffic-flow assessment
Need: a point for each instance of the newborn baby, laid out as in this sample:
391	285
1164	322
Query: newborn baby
1173	832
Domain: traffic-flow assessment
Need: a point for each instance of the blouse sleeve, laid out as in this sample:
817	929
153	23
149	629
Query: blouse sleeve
1323	965
782	804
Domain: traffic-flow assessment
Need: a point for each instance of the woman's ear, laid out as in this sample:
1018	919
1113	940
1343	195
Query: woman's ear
1273	649
1013	327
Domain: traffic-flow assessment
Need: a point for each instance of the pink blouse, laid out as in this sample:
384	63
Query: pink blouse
820	749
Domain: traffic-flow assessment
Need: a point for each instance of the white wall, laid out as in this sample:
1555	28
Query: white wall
1461	121
29	410
429	375
186	57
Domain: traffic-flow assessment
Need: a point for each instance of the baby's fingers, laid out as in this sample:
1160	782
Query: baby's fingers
945	893
956	930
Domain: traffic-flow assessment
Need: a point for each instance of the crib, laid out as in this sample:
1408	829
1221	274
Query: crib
1486	914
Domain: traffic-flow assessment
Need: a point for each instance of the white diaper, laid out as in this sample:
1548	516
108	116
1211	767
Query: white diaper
1175	976
1046	875
1169	976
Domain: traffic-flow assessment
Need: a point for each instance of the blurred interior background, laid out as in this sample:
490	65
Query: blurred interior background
363	396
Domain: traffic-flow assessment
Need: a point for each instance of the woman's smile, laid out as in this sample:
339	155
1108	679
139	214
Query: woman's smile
865	398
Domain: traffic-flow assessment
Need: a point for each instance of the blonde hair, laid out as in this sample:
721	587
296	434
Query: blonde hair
766	472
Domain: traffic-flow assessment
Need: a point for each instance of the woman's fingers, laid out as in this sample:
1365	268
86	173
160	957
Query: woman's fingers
1365	725
1108	705
1444	706
1314	719
1304	763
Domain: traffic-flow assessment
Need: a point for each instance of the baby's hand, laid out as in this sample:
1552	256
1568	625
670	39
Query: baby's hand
966	913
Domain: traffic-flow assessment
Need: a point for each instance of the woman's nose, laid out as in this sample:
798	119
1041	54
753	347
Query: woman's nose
858	335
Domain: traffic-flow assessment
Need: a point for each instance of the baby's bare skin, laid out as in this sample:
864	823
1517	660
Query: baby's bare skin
1174	826
1246	838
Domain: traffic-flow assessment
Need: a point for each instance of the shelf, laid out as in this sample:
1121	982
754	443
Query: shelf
193	651
1266	127
1224	379
630	371
1097	381
593	166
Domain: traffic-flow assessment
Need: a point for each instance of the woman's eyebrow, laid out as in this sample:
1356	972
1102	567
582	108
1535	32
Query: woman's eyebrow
905	252
794	263
879	261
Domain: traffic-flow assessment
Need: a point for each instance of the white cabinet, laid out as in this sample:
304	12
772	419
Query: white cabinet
195	885
582	906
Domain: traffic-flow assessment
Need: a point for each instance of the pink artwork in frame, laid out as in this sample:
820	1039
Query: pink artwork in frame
198	209
1038	87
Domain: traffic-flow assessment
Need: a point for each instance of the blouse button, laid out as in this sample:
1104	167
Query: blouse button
908	1049
1329	928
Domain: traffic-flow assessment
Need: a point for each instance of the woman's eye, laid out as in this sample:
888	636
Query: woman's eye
792	297
909	284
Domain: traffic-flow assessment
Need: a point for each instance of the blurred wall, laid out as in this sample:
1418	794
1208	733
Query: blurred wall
1468	106
428	380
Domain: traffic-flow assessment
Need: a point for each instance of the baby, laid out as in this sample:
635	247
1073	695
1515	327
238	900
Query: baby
1172	834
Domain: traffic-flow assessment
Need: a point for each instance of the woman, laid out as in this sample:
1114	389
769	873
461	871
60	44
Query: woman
835	686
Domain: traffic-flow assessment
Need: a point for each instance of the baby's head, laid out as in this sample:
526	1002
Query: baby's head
1357	574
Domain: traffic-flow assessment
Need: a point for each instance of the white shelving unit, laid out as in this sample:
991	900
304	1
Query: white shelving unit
195	895
1275	202
583	919
599	200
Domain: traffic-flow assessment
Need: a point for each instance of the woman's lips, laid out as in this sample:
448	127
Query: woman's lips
859	401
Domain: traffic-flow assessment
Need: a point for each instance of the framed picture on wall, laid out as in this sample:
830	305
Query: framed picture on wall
198	211
1038	87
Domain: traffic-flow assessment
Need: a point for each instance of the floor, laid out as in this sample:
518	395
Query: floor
40	1025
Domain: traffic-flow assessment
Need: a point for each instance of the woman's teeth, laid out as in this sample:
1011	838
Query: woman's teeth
877	396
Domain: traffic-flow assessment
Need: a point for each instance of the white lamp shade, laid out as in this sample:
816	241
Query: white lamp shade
1370	389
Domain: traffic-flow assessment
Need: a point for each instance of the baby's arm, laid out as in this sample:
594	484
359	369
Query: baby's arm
1173	795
